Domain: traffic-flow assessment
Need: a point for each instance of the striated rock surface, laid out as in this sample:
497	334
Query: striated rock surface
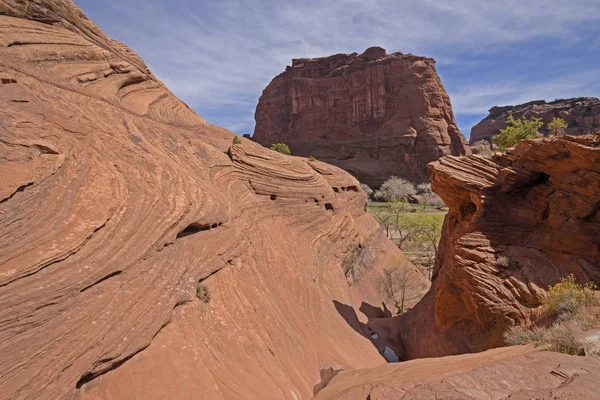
520	373
538	207
116	200
372	114
581	114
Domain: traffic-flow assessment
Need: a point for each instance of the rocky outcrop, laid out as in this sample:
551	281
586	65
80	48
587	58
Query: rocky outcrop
372	114
581	114
517	223
519	372
143	255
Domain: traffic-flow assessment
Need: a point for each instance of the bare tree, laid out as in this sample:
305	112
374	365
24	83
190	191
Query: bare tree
367	190
400	286
424	190
395	189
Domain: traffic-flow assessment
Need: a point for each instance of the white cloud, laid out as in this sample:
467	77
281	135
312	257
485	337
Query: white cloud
220	55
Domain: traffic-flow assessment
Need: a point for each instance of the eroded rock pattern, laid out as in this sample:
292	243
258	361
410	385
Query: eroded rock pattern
517	223
581	114
519	372
373	114
116	200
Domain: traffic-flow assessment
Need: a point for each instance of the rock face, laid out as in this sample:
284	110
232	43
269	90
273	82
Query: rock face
118	204
519	372
373	114
581	114
517	224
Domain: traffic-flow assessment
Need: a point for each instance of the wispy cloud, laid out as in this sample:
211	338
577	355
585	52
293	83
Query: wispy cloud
219	56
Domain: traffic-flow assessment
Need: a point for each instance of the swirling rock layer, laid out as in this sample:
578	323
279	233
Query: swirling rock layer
517	223
581	114
116	200
373	114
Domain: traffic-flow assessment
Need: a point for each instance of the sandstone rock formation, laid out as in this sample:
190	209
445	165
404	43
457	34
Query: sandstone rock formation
118	203
538	207
581	114
519	373
373	114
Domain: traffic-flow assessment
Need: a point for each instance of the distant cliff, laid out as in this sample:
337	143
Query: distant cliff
373	114
581	114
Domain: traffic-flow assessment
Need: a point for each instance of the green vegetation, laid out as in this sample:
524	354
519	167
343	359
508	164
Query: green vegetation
237	140
568	297
557	126
517	130
202	293
311	158
281	148
568	302
416	232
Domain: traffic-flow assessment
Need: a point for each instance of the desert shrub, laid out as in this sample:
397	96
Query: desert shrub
557	126
311	158
395	189
517	130
281	148
203	293
237	140
518	335
568	297
586	320
507	262
561	339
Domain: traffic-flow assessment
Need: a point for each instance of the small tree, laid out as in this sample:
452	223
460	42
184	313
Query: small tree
424	190
557	126
367	190
400	286
281	148
395	189
517	130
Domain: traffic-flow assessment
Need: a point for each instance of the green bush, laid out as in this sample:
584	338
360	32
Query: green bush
311	158
517	130
237	140
281	148
568	297
557	126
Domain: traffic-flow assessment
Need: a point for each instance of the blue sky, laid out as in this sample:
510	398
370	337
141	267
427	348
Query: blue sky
219	55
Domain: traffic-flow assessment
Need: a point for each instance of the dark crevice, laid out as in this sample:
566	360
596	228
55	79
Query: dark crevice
134	80
90	376
196	227
328	206
113	274
19	189
335	189
352	188
273	197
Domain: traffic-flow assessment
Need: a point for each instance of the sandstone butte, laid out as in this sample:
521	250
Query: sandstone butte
116	200
373	115
581	114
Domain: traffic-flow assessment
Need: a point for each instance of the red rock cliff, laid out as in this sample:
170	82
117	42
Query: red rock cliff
581	114
372	114
116	200
538	206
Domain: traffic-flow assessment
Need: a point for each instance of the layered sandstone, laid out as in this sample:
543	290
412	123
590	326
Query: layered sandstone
581	114
116	200
517	223
520	372
372	114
